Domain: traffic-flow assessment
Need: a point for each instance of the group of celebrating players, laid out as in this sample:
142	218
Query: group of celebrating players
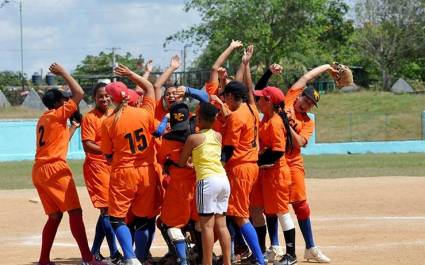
226	171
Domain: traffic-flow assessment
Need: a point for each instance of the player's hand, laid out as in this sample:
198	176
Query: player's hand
290	113
236	44
57	69
333	72
75	124
175	62
149	66
248	54
222	73
123	70
276	68
180	92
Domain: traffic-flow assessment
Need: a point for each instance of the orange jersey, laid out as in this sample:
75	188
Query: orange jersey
53	133
273	136
160	111
172	150
130	138
300	122
242	133
211	87
91	130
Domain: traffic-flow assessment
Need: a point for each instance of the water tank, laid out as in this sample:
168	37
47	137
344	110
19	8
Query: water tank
36	79
50	79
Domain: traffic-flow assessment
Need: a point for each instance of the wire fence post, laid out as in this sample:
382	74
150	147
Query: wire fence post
350	121
423	125
386	126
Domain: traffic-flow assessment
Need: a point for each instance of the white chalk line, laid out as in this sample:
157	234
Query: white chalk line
370	218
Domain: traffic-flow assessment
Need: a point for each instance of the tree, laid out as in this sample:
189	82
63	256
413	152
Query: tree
392	34
298	30
9	78
102	64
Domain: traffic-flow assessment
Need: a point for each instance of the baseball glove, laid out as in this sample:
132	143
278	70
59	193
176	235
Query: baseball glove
344	76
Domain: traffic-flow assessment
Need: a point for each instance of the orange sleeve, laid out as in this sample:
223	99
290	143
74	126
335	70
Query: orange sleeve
307	130
277	134
66	110
292	95
106	142
88	132
233	130
148	104
211	87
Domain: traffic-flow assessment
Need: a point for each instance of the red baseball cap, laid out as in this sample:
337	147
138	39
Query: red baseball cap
118	91
274	94
133	97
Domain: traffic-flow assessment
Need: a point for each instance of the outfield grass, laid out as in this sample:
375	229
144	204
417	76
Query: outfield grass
369	116
17	175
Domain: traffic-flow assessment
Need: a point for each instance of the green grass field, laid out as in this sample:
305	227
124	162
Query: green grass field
17	175
369	116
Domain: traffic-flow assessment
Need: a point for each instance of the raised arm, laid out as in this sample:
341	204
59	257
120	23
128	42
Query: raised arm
187	150
310	75
264	80
174	65
247	73
222	58
148	69
76	90
143	83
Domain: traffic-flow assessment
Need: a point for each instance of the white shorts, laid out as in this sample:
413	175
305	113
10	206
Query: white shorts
212	195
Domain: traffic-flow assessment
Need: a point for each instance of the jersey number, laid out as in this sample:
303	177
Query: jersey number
139	139
41	142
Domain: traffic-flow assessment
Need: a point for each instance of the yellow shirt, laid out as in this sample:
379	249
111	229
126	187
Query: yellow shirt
206	156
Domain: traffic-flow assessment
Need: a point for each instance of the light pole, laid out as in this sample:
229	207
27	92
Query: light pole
184	60
5	2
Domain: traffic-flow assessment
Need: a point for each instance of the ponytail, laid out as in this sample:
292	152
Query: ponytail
280	109
118	109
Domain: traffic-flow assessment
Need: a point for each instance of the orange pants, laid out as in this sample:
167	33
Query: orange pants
276	183
241	178
133	188
179	202
297	188
96	177
55	186
256	196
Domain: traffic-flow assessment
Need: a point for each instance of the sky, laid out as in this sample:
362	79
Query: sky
65	31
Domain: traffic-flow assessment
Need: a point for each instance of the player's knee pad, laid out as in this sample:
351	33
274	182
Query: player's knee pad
286	221
302	210
141	223
116	222
175	234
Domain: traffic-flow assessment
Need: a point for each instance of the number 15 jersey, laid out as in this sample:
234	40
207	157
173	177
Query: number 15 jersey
129	139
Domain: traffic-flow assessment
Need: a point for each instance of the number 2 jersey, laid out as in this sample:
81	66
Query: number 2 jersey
129	139
53	133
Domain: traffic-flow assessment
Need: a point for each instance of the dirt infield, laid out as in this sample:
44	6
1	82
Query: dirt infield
375	221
